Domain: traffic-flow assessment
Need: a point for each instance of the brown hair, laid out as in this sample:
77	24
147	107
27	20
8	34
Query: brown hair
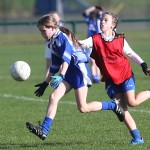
49	21
115	21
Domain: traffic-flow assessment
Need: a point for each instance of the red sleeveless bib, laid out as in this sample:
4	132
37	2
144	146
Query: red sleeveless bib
110	59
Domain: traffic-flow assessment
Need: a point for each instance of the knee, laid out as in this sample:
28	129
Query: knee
132	104
52	98
82	109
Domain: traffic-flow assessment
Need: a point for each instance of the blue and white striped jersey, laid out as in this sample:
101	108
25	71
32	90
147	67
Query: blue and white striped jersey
63	50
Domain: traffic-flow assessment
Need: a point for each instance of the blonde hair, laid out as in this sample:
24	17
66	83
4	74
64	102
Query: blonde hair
49	21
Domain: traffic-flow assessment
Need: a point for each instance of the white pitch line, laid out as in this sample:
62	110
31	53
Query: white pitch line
139	110
9	96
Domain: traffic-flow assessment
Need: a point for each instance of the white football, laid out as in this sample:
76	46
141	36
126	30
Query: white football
20	70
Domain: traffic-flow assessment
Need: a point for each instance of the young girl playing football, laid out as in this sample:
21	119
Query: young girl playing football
109	50
74	73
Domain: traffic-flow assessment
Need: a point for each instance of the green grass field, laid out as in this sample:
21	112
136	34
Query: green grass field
71	130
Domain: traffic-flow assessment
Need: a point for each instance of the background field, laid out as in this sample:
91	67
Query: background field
71	130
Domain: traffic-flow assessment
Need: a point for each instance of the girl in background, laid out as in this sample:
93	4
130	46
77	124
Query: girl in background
92	16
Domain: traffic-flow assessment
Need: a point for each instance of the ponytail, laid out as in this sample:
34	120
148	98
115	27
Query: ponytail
70	35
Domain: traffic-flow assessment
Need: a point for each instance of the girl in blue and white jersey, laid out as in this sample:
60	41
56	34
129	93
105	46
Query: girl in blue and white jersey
66	52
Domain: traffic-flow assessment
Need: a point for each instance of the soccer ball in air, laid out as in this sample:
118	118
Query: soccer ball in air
20	70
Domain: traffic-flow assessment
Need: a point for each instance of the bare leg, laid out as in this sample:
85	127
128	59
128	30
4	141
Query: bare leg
55	97
43	130
83	106
129	121
135	100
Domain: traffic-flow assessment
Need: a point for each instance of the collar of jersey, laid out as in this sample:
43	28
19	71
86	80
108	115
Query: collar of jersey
56	34
108	39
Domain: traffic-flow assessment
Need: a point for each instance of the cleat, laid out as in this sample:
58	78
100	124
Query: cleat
119	110
138	141
37	130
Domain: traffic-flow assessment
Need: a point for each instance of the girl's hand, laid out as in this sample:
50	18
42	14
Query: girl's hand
57	80
42	86
145	68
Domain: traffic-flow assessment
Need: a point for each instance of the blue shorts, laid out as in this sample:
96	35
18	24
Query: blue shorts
78	76
127	85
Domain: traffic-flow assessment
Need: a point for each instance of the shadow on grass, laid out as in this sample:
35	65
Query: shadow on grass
39	145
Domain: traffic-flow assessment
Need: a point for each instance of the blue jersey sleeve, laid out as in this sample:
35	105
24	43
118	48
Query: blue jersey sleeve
62	50
65	48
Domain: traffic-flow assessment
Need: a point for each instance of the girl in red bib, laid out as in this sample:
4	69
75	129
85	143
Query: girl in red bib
109	50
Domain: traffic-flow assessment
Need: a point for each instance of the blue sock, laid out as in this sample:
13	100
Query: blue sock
96	79
108	105
135	134
47	124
